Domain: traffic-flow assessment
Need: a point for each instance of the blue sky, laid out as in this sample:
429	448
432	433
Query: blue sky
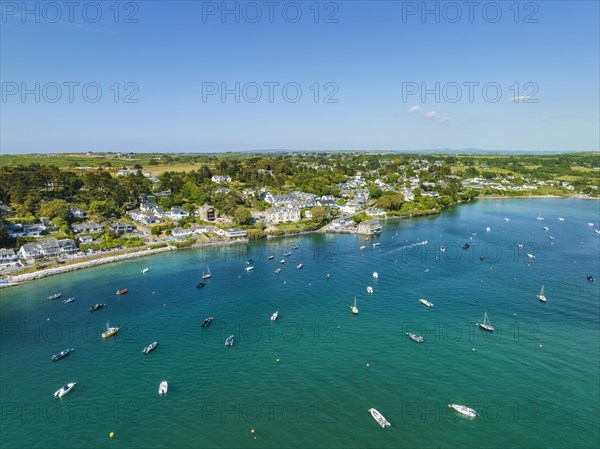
369	56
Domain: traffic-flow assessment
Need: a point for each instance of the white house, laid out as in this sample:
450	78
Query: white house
283	214
8	256
177	213
219	179
235	233
76	212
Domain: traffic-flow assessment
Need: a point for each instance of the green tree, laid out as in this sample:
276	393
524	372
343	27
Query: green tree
319	213
55	209
242	216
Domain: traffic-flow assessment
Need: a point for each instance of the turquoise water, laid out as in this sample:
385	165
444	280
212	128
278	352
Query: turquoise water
309	379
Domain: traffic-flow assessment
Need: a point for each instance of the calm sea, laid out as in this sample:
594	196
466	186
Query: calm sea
308	379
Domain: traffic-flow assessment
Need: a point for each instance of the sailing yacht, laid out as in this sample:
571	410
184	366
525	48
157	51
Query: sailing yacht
110	331
486	325
369	290
208	274
354	308
541	296
163	387
540	217
275	315
375	275
463	410
425	302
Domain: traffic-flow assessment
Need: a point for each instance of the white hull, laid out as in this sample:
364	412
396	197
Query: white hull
62	391
379	418
249	268
145	270
375	275
163	388
426	303
369	290
463	410
275	316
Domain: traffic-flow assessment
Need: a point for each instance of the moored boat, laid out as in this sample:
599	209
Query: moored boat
464	410
282	261
208	274
200	284
415	337
61	354
68	300
65	389
486	325
207	321
250	261
354	308
541	296
145	270
376	245
299	266
121	292
369	290
379	418
250	268
54	296
150	347
275	315
110	331
375	275
296	247
425	302
229	341
362	247
163	387
96	307
278	270
287	254
271	257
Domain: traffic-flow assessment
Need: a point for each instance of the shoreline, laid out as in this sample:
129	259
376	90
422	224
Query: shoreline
20	279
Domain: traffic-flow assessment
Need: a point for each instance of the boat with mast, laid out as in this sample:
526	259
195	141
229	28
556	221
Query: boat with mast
425	302
110	331
354	308
486	325
541	296
463	410
208	274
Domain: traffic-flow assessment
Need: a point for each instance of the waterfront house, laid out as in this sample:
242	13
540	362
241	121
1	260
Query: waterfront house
283	214
177	213
8	256
83	239
235	233
88	226
121	228
369	227
30	251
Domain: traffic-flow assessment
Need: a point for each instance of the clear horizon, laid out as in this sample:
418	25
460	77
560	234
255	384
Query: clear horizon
206	77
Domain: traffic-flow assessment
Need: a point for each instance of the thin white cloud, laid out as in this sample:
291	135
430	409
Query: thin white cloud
431	115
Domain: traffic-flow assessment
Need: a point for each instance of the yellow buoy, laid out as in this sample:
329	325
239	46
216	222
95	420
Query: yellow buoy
112	434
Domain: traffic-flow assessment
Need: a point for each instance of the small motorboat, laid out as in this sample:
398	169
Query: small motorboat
296	247
354	308
282	261
61	354
96	307
442	248
145	270
488	229
482	257
589	277
271	257
531	256
207	321
67	301
463	410
163	387
590	224
425	302
250	268
545	228
375	275
506	219
376	245
367	239
250	261
287	254
65	389
275	315
415	337
278	270
561	219
551	237
121	292
200	285
362	247
379	418
328	276
110	332
299	266
54	296
229	341
466	246
370	290
150	347
597	231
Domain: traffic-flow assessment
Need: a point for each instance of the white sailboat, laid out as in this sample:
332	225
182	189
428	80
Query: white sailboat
486	325
463	410
541	296
145	270
354	308
370	290
208	274
375	275
540	216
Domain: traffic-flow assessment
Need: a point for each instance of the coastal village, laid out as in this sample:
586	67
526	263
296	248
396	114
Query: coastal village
53	216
